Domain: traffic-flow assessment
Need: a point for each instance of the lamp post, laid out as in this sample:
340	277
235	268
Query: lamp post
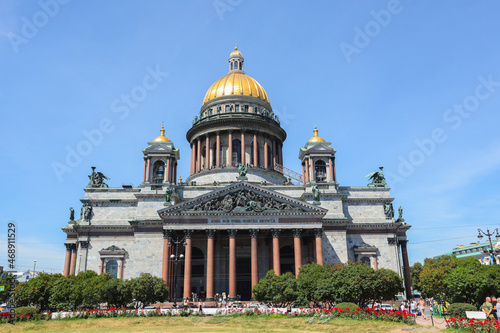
491	251
176	258
34	267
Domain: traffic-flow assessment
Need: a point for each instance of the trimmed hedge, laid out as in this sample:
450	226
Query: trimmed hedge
458	309
345	305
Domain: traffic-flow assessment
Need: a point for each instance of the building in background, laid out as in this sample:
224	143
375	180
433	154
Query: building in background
478	251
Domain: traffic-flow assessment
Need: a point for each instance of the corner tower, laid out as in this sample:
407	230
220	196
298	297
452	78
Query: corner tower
160	160
236	125
318	161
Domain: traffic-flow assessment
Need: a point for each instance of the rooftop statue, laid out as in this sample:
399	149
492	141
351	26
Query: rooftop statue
97	179
400	214
377	178
71	214
86	212
168	196
316	193
388	210
242	170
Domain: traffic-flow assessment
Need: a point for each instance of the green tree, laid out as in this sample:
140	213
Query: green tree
310	276
470	281
92	287
147	289
415	271
387	284
355	283
276	290
62	296
326	290
433	276
117	293
22	295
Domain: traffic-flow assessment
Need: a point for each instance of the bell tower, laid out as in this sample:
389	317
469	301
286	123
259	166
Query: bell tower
160	161
318	161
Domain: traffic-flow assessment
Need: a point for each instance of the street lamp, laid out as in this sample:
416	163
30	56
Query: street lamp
34	267
491	251
176	258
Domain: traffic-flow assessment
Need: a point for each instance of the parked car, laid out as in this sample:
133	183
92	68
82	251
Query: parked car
385	307
5	308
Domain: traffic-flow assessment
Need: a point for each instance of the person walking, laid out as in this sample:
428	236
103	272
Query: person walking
421	307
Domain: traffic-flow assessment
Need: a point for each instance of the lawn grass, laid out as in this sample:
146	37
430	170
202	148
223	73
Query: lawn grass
203	324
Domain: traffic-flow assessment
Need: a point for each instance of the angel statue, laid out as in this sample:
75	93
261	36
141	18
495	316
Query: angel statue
377	178
242	170
97	179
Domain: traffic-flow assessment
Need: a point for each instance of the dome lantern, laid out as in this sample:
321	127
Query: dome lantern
236	61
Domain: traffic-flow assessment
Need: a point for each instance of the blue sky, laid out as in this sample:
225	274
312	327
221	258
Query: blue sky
413	86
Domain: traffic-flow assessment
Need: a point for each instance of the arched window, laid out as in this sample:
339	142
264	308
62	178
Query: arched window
231	65
158	172
197	263
365	260
320	170
236	152
112	268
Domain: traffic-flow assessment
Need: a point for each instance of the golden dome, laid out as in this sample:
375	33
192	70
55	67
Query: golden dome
236	83
316	137
236	53
162	137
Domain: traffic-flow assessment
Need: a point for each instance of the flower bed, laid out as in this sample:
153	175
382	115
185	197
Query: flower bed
473	325
316	315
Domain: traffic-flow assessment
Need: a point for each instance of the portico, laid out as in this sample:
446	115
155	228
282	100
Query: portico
234	234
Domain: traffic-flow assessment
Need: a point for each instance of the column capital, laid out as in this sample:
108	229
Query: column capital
296	232
318	232
275	232
167	233
392	240
68	246
403	242
84	244
211	233
254	233
188	233
232	233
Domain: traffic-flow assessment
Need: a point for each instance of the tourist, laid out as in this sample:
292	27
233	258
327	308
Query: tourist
421	307
487	308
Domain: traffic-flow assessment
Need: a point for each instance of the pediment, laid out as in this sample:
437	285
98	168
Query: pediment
243	199
321	147
158	147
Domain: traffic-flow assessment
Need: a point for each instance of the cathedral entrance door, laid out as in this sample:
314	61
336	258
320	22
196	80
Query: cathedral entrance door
243	278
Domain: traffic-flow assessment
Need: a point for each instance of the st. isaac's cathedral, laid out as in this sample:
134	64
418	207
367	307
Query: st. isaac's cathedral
238	214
